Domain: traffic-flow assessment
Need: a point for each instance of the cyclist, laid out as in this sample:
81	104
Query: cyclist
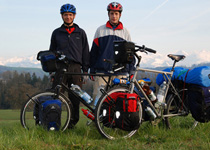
102	47
72	41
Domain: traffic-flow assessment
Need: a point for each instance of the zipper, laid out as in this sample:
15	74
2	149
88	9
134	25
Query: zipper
69	36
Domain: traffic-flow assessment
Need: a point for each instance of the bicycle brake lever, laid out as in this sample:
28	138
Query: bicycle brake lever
62	57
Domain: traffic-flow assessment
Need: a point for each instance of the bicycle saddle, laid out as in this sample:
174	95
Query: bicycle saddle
177	58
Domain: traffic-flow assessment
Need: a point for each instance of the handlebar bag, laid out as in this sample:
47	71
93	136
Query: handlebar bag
199	102
48	61
124	52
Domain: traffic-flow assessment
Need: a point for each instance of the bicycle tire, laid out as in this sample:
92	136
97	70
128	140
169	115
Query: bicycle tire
27	118
178	116
107	131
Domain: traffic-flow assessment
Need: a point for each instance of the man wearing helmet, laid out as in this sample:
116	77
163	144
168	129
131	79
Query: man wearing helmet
102	47
71	40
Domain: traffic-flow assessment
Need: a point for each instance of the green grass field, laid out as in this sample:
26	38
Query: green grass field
13	137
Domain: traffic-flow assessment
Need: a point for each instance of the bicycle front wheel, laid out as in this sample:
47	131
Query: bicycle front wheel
106	127
27	118
178	116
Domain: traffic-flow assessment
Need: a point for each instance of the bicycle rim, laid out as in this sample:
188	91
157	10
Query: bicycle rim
107	129
178	117
27	116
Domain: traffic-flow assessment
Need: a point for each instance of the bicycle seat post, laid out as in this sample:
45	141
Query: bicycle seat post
174	64
176	58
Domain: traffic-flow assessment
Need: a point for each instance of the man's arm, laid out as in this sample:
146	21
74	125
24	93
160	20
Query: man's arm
53	44
85	54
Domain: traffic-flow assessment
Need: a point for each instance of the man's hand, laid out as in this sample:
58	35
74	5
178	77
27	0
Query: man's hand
85	78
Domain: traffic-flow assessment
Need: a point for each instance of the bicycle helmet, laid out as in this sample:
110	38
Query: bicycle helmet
68	8
115	6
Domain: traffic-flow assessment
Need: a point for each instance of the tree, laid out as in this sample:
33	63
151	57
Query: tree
14	87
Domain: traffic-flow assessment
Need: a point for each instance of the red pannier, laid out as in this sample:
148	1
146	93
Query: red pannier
121	110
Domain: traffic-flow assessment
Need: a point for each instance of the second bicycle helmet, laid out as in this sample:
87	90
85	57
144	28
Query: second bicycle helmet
115	6
68	8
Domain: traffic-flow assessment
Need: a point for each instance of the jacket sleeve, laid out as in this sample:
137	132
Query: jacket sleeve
53	44
94	55
85	54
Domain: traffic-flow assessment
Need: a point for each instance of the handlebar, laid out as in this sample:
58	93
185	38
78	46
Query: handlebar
144	49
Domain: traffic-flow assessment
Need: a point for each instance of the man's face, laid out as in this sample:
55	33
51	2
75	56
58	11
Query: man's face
114	17
68	17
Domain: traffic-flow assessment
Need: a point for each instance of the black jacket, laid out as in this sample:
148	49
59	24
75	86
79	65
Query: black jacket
74	46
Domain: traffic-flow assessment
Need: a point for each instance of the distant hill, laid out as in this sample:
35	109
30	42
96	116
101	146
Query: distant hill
38	71
191	67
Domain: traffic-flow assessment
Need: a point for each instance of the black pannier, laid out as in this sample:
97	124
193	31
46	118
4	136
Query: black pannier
124	51
48	61
47	113
199	102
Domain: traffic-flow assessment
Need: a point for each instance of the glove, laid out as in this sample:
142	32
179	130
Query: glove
92	78
85	79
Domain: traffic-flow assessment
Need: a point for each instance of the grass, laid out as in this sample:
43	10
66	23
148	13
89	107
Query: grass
13	137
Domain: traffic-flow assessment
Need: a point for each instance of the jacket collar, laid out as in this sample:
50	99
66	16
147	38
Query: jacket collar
119	27
63	28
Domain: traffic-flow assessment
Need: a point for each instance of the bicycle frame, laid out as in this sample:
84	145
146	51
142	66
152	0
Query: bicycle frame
63	86
167	77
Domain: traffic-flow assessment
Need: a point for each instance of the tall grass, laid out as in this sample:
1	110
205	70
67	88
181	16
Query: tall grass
13	136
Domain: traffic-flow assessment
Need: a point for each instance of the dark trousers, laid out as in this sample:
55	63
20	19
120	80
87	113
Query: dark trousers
71	79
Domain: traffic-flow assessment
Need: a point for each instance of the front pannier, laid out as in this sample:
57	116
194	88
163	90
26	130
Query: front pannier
121	110
127	112
48	61
47	112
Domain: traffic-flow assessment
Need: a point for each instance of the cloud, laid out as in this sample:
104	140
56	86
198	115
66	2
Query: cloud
160	60
203	56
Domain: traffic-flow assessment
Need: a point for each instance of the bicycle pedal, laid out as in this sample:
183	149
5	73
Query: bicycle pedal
155	122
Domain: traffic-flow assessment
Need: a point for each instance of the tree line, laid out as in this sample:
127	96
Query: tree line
14	86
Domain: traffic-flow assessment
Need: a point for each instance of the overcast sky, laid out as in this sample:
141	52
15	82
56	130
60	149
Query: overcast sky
165	25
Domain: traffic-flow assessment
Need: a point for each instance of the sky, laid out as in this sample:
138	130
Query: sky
168	26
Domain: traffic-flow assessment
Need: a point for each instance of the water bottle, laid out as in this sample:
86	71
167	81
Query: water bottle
122	81
85	96
98	95
148	91
161	92
150	112
89	114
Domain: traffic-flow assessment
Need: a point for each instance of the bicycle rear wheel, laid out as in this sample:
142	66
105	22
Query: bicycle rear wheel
27	112
177	115
107	128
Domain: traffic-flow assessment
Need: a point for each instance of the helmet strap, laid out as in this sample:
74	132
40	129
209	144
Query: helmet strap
68	24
